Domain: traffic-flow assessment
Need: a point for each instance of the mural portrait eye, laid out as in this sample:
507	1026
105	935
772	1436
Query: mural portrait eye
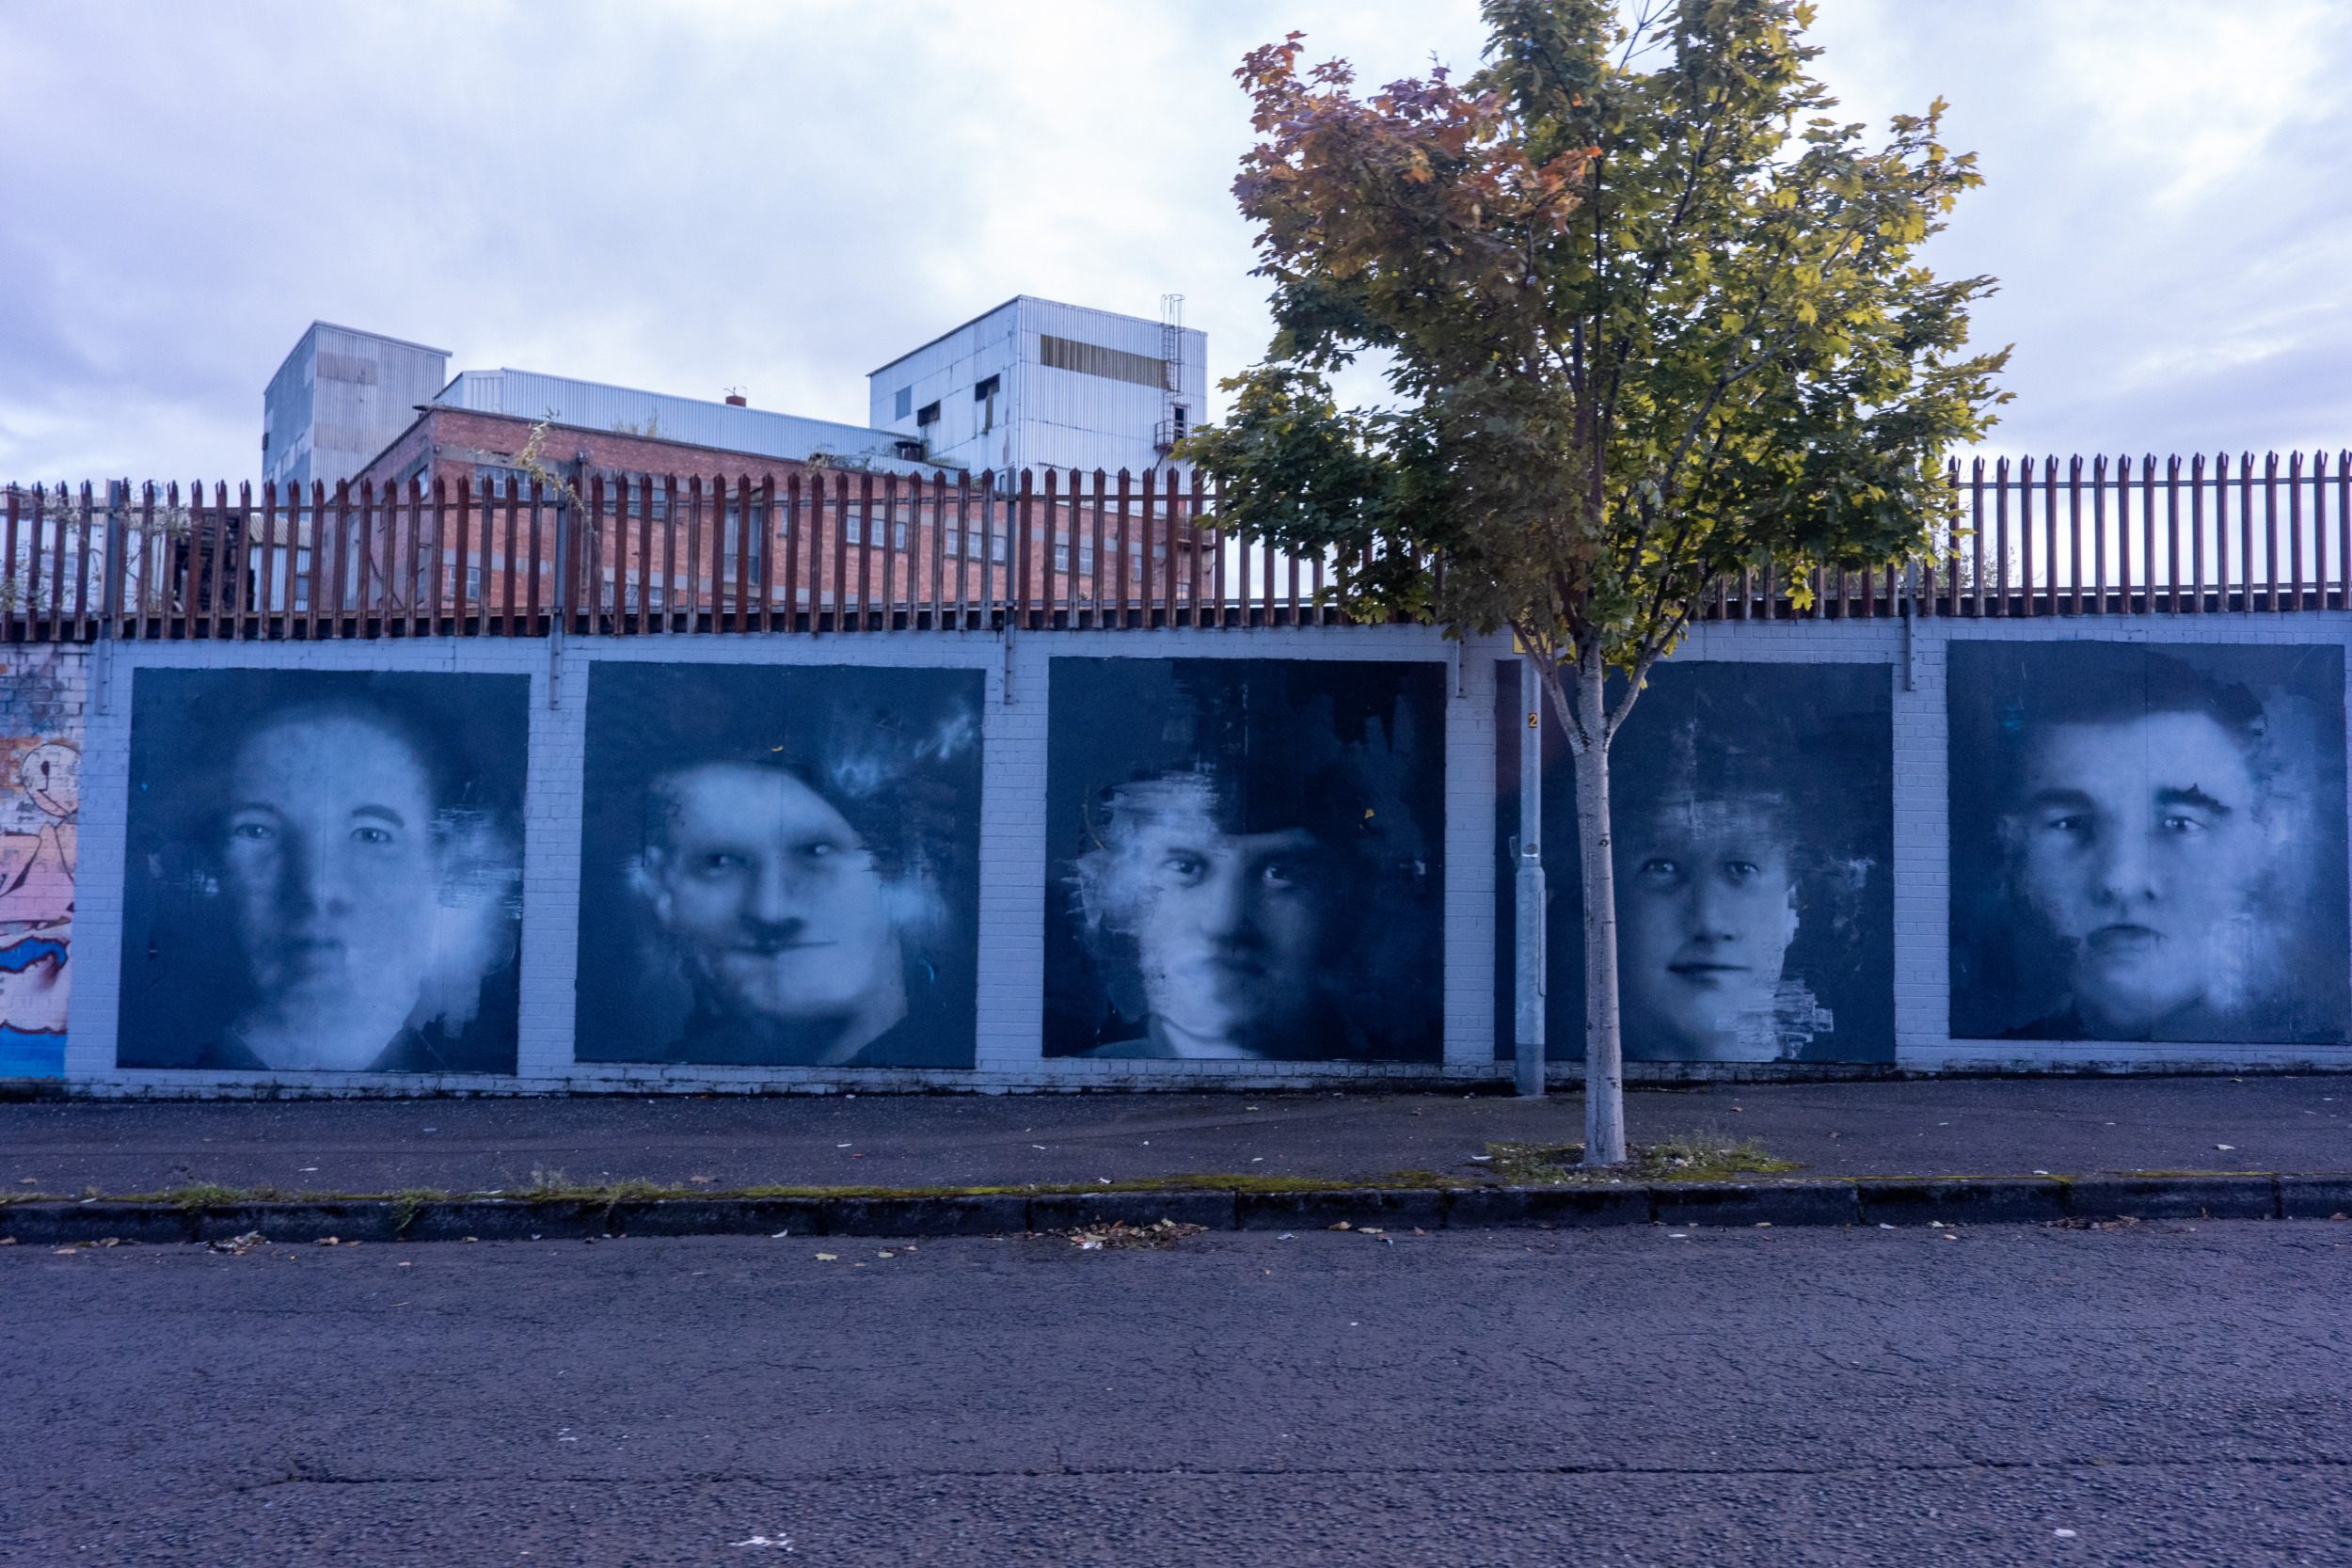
1739	872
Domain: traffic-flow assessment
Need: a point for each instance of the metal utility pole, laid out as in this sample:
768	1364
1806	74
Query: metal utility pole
1528	1012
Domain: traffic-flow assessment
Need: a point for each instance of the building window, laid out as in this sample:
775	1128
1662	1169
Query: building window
906	403
925	418
984	393
1068	353
1183	417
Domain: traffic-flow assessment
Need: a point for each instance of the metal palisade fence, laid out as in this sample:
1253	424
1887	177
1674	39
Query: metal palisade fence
829	551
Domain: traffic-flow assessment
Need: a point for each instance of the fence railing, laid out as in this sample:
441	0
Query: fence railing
827	552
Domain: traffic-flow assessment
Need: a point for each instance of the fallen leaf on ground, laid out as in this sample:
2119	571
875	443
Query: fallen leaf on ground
1122	1236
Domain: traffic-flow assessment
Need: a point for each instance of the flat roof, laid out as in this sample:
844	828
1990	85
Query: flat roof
354	331
949	333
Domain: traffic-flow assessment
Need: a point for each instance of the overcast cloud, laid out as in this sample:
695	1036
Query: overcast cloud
781	198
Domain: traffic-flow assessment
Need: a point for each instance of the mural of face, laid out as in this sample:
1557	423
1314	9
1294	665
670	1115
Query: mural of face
1227	926
329	870
781	920
2136	842
1708	909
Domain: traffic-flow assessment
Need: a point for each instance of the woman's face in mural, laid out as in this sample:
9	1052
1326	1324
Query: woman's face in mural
2136	842
1229	927
776	907
329	864
1707	907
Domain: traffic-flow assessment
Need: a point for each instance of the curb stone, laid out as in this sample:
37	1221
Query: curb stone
1389	1207
1971	1200
2174	1197
1558	1207
1964	1200
1758	1203
2314	1198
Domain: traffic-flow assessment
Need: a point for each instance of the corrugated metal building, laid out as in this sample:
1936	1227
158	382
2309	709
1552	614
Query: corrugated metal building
1034	384
341	397
722	426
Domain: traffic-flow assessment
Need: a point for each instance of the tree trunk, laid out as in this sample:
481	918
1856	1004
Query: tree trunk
1604	1049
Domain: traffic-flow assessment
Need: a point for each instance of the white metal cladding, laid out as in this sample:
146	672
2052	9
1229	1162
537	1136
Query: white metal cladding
341	397
594	405
944	372
1044	415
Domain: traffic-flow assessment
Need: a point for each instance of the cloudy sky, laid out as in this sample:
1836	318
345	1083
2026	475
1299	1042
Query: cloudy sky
691	197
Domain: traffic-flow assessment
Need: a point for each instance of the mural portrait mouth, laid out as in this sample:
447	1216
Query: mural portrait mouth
2123	941
307	957
1709	974
761	948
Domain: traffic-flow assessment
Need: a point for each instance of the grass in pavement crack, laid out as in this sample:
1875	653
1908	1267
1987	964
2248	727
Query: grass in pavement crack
1706	1155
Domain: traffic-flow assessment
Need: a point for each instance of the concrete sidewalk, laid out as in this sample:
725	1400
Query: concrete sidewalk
1976	1127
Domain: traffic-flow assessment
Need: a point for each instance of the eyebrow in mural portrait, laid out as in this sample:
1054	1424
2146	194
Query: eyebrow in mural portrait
801	877
1271	895
332	874
2166	844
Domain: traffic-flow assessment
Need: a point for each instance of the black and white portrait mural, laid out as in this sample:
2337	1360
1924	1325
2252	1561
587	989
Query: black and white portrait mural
780	865
1753	823
2147	843
324	871
1245	859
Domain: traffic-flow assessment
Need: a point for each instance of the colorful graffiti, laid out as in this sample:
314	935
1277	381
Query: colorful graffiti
36	859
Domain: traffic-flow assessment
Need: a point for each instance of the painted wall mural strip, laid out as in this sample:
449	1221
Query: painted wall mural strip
1752	824
780	865
324	871
2147	843
1245	859
40	756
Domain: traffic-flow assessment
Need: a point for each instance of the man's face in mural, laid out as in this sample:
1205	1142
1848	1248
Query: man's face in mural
2136	842
1229	927
328	865
779	912
1707	911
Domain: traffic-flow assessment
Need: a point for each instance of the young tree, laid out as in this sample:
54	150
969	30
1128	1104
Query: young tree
1654	317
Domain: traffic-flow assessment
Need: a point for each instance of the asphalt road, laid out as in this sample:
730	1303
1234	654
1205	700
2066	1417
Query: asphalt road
2167	1394
1977	1127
